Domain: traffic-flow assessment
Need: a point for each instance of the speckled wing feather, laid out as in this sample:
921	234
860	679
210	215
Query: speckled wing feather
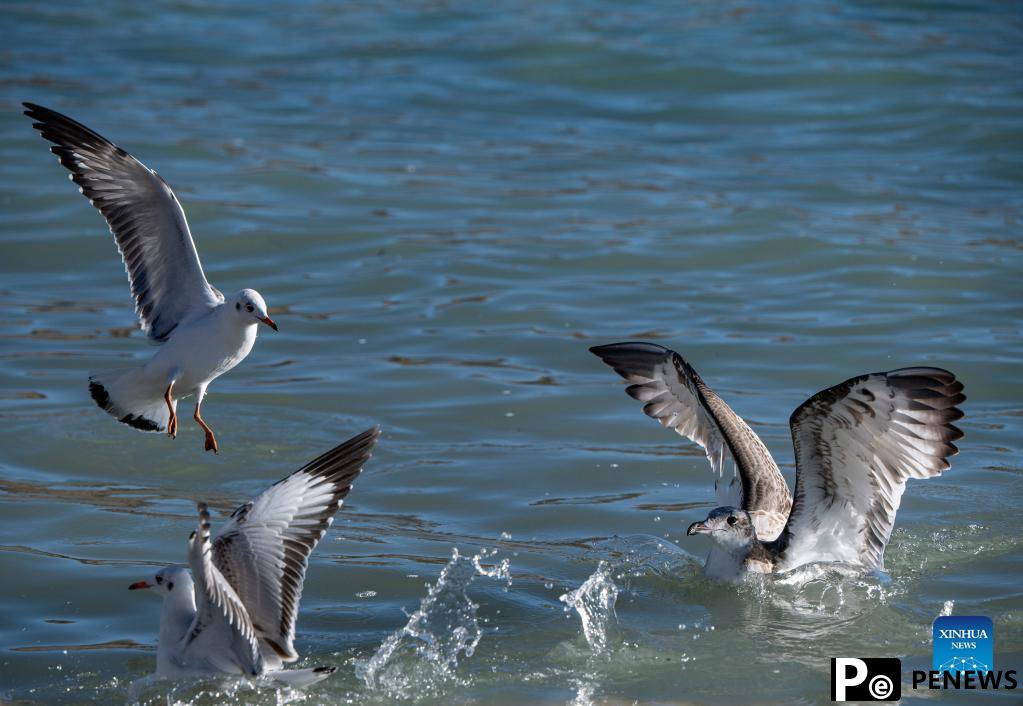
675	395
856	444
222	632
167	281
264	549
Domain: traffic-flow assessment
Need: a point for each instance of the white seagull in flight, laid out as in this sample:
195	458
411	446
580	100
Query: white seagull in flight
203	334
856	444
234	612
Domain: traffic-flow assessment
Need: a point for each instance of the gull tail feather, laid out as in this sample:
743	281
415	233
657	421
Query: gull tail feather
301	678
127	394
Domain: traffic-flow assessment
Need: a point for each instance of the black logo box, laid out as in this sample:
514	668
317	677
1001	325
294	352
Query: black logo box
881	682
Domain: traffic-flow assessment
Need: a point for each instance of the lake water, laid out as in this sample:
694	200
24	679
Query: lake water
445	205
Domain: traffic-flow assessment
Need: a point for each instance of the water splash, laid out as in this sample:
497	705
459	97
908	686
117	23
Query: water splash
594	601
584	693
152	690
422	656
644	555
947	607
825	588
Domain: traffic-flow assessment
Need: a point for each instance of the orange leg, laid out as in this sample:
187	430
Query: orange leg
211	440
172	424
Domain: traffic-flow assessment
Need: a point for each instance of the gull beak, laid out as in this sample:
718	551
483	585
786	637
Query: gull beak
697	528
139	584
269	322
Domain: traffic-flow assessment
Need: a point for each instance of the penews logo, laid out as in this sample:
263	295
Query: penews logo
963	643
866	679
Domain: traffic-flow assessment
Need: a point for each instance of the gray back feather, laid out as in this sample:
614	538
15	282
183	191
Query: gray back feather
167	281
263	550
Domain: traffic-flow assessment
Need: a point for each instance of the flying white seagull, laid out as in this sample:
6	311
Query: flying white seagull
234	613
203	334
856	444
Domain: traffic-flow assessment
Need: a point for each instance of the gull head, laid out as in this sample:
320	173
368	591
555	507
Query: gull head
167	581
727	526
248	304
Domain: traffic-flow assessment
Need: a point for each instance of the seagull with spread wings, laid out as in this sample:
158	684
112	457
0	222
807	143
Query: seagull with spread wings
856	445
203	335
234	613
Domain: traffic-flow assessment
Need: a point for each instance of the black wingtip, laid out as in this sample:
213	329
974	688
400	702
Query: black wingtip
344	462
324	670
606	348
64	132
367	439
636	357
40	113
641	347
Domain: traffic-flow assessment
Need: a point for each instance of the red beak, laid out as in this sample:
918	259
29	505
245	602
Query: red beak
269	322
139	584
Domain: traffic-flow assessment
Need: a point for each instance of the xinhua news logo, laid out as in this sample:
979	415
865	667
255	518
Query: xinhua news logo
964	656
963	643
866	679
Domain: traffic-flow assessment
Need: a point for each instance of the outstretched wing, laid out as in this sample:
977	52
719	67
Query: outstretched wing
264	548
145	217
856	444
675	396
222	632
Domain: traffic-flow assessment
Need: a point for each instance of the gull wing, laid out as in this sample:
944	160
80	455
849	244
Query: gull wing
167	281
856	445
264	548
222	633
675	395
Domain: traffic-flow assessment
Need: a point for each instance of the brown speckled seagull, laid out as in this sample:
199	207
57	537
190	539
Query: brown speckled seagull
856	444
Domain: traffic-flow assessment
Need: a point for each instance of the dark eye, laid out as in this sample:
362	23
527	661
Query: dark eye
248	307
159	579
170	585
732	519
237	306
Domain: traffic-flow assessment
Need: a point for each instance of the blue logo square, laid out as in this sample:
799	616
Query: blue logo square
963	643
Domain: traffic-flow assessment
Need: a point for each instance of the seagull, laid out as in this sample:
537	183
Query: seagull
203	334
856	444
234	612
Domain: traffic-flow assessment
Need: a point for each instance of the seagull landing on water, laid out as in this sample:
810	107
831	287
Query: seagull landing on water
234	612
856	444
204	334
